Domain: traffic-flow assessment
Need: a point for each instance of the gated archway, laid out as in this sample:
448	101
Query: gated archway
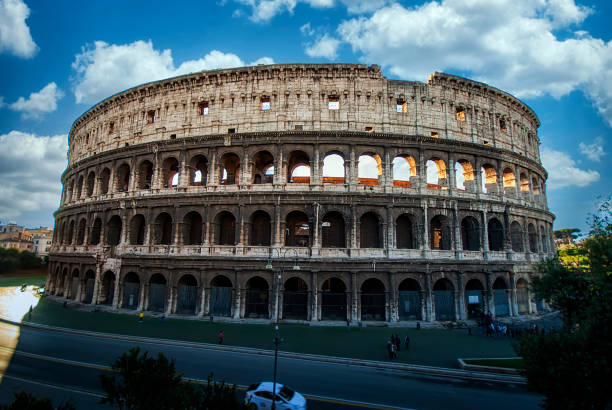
409	300
107	290
295	299
74	286
474	298
257	298
90	280
500	296
131	291
157	293
333	300
522	296
373	300
220	296
187	295
444	298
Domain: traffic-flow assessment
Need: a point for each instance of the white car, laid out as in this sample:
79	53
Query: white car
259	396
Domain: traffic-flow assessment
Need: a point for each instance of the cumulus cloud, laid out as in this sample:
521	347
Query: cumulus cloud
363	6
593	151
511	44
41	102
30	170
325	46
103	69
15	35
263	11
563	172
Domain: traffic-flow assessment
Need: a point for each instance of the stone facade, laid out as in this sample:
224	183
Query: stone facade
202	194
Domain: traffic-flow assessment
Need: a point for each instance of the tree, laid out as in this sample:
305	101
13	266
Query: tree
567	235
572	367
26	401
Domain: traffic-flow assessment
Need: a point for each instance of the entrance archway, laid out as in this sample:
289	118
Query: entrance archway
333	300
295	299
90	280
131	291
444	298
257	298
474	298
187	295
373	300
220	296
522	296
409	300
500	297
157	293
107	290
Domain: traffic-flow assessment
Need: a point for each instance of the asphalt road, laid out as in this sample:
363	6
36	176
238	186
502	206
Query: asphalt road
61	365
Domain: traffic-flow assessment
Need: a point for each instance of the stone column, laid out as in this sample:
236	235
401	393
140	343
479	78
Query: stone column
484	231
421	171
456	234
429	304
393	300
425	239
315	170
144	292
183	170
315	310
117	292
316	247
353	169
390	237
490	295
278	234
97	284
462	310
213	172
354	314
452	181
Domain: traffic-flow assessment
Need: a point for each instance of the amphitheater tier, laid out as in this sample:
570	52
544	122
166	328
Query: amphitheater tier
397	201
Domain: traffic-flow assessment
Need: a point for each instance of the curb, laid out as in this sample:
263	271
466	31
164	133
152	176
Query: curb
488	369
463	374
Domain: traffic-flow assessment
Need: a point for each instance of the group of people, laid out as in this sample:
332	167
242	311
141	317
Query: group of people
394	345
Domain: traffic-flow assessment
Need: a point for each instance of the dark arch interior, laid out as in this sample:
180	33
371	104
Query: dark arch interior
227	229
158	279
470	234
260	229
333	231
192	228
163	229
409	285
113	236
369	232
188	280
403	232
443	284
496	235
221	281
297	230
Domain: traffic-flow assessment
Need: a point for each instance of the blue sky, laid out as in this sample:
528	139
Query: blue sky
57	58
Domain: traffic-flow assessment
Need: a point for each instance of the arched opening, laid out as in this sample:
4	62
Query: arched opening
373	300
509	181
333	300
333	230
137	230
474	298
333	169
536	186
220	296
524	183
436	173
70	236
96	230
157	293
81	231
295	299
79	189
298	167
162	232
369	169
68	193
74	286
464	175
440	233
113	231
297	230
404	238
257	298
198	167
230	169
192	228
145	175
444	298
533	238
470	234
63	282
496	235
369	231
516	236
261	229
170	172
522	296
90	280
500	297
107	288
91	183
187	295
489	178
409	300
131	291
104	181
404	167
543	239
226	223
122	179
262	162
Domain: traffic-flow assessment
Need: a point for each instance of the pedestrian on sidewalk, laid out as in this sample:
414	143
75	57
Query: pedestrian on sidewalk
389	350
393	351
221	337
398	343
348	325
407	342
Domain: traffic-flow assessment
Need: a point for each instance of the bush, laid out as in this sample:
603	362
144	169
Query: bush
26	401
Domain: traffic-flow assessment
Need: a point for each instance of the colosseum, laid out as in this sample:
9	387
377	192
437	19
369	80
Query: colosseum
307	193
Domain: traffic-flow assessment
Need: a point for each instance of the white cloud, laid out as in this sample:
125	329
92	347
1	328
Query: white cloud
15	35
563	172
364	6
593	151
325	46
307	30
2	103
263	11
104	69
510	44
42	102
30	170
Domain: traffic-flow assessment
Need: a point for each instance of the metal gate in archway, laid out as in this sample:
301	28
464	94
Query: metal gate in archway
333	305
409	305
445	304
186	301
89	290
522	296
75	287
475	302
130	295
257	303
221	301
372	306
295	305
501	302
157	297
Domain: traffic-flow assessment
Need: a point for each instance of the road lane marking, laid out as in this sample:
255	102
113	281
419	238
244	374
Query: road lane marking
54	386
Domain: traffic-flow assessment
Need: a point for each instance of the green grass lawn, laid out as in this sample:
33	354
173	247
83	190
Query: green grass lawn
38	280
427	347
507	363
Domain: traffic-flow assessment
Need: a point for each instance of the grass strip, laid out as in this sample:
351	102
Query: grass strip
38	280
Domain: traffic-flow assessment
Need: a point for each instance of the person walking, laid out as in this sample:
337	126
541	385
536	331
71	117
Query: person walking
398	343
221	337
389	349
407	342
393	351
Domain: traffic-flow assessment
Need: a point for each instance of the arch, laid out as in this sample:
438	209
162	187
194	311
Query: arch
138	228
81	231
220	296
187	295
107	288
192	228
509	178
333	169
79	188
470	234
257	298
435	173
89	282
113	231
131	291
333	230
69	192
157	293
70	237
298	167
162	229
500	297
444	298
262	161
229	168
474	298
170	172
373	299
404	167
533	238
198	170
295	299
522	296
96	229
122	179
489	178
145	175
535	186
524	183
369	231
226	225
104	181
333	299
261	229
369	169
74	286
516	236
297	230
409	300
440	233
91	183
543	239
464	175
404	238
496	235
